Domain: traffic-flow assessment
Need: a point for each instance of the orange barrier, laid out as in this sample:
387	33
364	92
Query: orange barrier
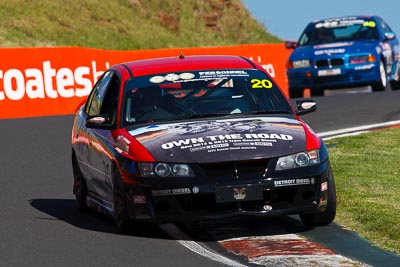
53	81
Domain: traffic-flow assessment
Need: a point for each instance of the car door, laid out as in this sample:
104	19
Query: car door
103	101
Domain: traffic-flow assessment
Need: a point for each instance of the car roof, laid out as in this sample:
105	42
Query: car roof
185	63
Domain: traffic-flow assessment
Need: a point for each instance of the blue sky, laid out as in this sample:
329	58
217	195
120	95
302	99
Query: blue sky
287	19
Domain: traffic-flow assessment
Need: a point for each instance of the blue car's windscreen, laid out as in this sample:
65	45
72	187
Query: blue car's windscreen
339	31
175	96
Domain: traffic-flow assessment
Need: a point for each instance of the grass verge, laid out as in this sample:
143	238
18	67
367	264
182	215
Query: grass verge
366	169
128	24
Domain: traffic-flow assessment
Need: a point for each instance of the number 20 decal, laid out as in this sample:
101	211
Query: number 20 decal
257	83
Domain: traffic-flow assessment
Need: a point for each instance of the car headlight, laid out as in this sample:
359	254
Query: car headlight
304	63
362	59
151	169
298	160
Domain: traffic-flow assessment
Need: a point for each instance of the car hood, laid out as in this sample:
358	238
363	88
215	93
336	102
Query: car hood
327	50
221	140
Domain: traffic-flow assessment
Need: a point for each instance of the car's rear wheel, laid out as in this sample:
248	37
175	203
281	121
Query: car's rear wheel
382	84
80	187
295	92
121	215
327	216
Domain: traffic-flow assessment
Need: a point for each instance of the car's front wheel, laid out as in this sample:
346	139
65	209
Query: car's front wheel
327	216
382	84
121	215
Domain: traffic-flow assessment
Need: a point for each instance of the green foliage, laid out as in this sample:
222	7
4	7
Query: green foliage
366	169
128	24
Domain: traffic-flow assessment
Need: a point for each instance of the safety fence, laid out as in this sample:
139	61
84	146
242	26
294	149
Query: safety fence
54	80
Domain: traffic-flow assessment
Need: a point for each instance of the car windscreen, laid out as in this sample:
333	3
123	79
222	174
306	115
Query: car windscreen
200	94
339	30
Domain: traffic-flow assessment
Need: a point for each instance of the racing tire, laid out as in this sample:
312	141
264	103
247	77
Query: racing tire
295	92
121	215
326	217
382	84
80	187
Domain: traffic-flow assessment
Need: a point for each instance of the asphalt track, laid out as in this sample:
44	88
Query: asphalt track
40	225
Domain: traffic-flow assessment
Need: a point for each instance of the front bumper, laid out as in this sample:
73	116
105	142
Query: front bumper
291	192
334	77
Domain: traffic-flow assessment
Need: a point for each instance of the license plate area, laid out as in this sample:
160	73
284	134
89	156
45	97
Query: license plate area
234	193
329	72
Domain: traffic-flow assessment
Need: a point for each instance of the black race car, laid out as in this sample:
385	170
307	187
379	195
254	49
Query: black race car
195	138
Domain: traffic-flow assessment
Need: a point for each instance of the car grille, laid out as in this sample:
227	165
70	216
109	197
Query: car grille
332	62
252	169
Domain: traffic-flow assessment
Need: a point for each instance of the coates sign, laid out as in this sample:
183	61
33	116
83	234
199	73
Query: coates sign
53	81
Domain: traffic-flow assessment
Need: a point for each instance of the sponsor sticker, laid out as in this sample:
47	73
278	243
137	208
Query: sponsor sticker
186	76
172	77
325	46
230	141
343	22
195	190
293	182
157	79
173	191
324	186
239	193
139	199
123	143
330	51
217	74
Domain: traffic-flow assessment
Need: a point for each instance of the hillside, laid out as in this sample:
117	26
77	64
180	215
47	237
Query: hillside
128	24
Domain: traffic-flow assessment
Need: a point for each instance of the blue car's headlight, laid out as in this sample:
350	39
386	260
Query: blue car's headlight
362	59
298	160
152	169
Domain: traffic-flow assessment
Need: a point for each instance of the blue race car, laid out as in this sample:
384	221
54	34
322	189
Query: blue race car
342	53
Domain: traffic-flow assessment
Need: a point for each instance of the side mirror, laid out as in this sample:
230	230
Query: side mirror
390	35
98	122
305	106
291	44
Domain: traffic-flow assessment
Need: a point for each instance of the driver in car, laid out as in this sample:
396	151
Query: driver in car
151	105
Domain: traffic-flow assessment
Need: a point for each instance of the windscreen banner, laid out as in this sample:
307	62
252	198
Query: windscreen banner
53	81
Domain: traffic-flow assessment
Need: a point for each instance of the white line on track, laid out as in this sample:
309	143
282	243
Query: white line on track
356	130
184	240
